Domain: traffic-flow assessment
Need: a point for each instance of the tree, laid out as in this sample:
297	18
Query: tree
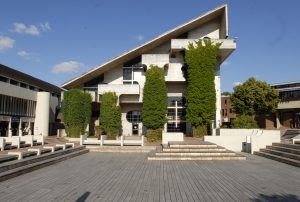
155	101
254	97
226	93
201	59
110	115
76	111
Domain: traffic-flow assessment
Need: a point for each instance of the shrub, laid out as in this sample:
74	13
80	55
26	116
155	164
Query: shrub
155	101
77	111
154	135
201	95
244	121
110	115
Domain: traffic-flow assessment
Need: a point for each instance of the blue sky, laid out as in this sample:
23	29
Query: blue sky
60	39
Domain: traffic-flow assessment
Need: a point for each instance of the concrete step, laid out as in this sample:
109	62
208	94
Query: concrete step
34	166
194	158
292	146
5	158
281	153
284	149
175	149
289	161
193	146
35	159
119	149
187	154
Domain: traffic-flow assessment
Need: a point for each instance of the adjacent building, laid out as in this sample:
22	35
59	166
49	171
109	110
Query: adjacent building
227	113
288	111
125	74
26	101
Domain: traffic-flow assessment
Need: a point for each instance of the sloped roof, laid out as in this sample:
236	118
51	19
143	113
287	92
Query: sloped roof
219	12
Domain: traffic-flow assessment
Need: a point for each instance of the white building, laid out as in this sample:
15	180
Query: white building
125	74
26	101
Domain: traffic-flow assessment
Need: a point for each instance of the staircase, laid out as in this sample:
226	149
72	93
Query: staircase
193	150
10	167
282	152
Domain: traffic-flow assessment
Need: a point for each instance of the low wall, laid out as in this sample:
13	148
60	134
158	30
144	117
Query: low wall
169	137
246	140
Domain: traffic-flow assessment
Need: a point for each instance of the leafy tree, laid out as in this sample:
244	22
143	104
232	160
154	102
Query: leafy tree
226	93
155	101
201	59
244	121
76	111
110	114
254	97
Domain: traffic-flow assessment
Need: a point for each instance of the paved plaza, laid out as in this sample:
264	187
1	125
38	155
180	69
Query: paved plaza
131	177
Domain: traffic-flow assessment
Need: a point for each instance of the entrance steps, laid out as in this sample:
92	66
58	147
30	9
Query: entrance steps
282	152
10	167
193	150
119	149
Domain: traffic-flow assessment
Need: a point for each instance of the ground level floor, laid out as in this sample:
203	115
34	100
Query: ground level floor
131	177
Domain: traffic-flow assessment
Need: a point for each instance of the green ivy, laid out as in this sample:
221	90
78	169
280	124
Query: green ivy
110	115
76	111
201	59
155	101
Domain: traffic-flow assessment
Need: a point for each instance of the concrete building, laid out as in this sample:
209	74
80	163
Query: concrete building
227	114
125	74
26	101
288	111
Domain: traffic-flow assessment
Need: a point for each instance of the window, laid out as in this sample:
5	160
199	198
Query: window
127	74
134	116
230	110
176	114
225	102
13	82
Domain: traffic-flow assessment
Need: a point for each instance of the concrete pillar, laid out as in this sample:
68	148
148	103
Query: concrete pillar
9	128
41	123
277	119
218	95
20	127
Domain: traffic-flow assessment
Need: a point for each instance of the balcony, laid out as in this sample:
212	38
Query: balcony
119	89
155	59
226	48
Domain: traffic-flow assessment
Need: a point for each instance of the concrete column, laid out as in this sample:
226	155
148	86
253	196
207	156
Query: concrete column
20	127
277	119
218	95
41	123
9	128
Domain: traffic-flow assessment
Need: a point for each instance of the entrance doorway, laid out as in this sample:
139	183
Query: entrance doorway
14	128
4	128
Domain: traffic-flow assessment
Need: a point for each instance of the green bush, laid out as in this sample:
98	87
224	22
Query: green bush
154	135
77	111
201	59
110	115
155	101
244	121
201	130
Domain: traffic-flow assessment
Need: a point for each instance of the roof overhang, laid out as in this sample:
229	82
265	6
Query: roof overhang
219	12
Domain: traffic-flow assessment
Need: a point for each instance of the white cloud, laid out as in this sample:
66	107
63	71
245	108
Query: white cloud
66	67
237	83
140	37
33	30
45	27
6	43
23	53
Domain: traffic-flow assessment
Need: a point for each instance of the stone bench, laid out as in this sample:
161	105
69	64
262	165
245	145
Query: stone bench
296	139
137	141
22	154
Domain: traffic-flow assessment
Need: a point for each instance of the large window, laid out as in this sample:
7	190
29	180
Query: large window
16	106
176	114
134	116
127	74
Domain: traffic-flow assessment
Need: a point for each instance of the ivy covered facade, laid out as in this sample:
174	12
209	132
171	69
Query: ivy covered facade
126	75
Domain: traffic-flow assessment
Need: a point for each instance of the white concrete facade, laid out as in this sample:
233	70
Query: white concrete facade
165	52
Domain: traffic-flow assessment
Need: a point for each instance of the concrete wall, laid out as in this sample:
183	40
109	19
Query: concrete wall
114	76
169	137
162	49
210	29
17	91
248	140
